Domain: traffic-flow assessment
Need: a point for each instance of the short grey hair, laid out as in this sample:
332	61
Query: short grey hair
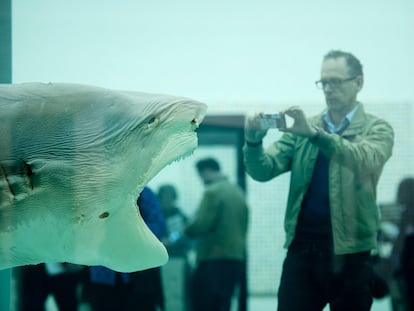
353	63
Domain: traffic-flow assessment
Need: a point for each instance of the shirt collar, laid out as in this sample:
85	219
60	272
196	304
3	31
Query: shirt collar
330	126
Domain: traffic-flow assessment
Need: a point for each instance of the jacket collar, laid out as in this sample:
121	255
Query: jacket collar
357	124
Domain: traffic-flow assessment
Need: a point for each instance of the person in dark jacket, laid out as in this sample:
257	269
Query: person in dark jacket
220	230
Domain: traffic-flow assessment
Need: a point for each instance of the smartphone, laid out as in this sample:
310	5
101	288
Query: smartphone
275	120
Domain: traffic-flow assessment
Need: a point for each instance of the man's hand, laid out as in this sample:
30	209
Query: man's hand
252	130
300	125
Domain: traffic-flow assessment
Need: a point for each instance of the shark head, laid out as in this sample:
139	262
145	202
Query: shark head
73	160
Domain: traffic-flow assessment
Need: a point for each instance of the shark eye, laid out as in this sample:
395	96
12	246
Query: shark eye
104	215
153	122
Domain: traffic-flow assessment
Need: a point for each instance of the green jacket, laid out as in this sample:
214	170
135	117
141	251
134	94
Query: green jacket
357	158
220	223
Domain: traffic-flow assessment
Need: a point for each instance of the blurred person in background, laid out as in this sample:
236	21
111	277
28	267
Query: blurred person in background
176	243
220	230
402	284
177	272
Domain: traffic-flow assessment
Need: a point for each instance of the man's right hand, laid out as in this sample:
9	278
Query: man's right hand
252	131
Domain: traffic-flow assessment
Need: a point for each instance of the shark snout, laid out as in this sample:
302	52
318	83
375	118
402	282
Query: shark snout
199	115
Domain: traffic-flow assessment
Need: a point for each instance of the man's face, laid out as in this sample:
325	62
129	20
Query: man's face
207	175
167	200
340	95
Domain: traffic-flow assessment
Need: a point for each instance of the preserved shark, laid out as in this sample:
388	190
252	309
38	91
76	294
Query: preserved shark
73	160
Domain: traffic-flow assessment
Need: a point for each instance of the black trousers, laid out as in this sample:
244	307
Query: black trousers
213	284
313	277
35	285
407	263
144	292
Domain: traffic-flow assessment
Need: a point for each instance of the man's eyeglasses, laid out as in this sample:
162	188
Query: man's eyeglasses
334	83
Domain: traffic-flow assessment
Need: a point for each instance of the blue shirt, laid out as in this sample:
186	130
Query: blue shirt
330	126
152	213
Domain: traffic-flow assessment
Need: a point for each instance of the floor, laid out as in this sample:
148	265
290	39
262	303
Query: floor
265	303
259	303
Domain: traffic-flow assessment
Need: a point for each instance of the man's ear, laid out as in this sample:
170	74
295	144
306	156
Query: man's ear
360	82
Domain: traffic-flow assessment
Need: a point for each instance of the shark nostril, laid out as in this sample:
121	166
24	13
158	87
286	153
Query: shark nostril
195	122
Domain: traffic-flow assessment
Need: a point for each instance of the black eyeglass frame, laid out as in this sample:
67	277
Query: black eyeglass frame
334	83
